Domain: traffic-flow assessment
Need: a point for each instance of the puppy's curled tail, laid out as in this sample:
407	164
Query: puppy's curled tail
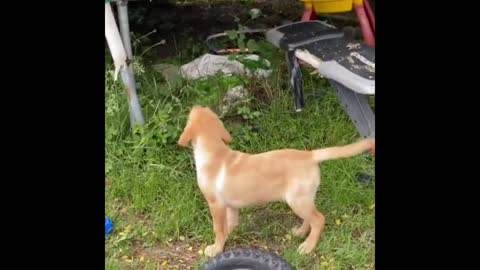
345	151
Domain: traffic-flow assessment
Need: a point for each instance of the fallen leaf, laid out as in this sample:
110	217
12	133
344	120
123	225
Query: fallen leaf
190	248
182	238
142	258
164	263
200	251
338	221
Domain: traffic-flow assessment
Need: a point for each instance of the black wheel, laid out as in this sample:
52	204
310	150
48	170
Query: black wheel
246	259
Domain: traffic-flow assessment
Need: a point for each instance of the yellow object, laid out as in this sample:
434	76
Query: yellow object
330	6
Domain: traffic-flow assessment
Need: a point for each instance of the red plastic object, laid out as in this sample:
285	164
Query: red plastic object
308	15
371	16
365	17
367	30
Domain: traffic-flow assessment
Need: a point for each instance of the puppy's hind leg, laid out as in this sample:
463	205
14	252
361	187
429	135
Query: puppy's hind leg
304	207
302	230
301	200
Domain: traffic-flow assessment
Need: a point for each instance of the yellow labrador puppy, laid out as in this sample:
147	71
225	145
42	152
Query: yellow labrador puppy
230	179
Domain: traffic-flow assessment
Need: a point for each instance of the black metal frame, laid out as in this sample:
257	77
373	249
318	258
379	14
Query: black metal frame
325	42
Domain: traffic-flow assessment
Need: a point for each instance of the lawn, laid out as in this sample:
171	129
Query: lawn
161	219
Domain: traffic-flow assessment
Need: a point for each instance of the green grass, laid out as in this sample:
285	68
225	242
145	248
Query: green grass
153	199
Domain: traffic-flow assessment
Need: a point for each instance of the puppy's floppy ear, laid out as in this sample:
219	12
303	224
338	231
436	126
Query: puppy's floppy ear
226	137
224	134
189	130
186	136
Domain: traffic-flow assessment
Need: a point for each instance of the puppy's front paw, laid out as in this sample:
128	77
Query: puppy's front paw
211	251
305	248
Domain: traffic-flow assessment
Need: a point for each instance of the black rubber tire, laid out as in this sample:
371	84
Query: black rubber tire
246	259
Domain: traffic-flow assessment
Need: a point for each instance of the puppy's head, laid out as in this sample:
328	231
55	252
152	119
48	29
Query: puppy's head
203	122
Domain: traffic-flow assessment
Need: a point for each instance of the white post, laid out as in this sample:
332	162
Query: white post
121	57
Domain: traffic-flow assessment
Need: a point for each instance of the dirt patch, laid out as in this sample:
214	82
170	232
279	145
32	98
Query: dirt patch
201	19
182	24
272	247
172	255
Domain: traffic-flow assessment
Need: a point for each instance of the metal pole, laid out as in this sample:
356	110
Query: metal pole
125	27
127	72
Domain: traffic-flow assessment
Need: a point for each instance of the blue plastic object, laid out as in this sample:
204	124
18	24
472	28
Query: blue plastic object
108	225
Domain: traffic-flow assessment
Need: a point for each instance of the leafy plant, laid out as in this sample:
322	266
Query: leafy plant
246	112
239	34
